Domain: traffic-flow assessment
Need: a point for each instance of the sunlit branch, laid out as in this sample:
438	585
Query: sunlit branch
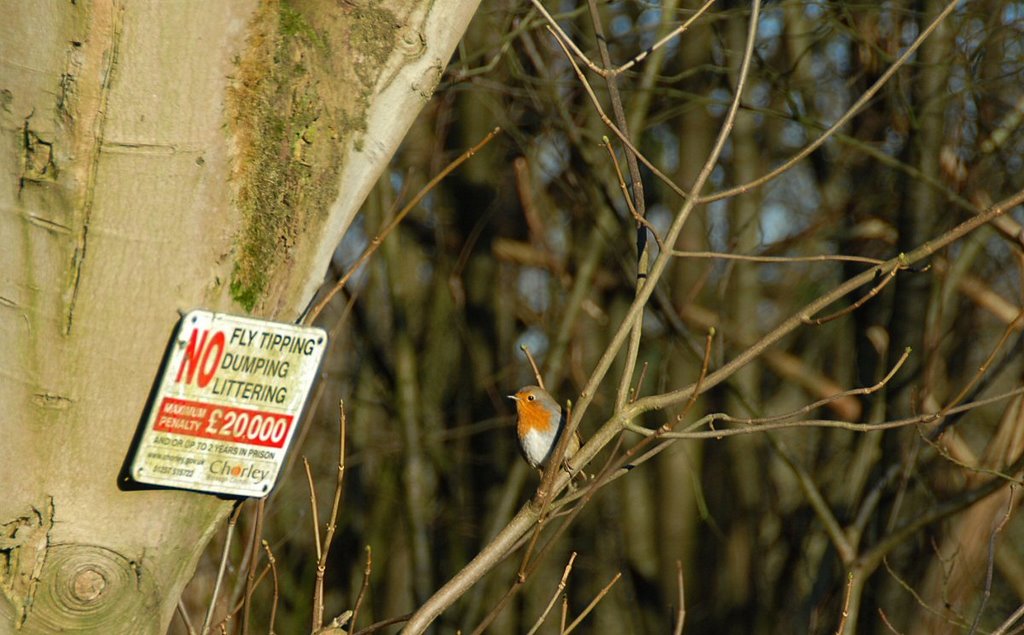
629	200
800	317
533	365
411	205
875	290
639	57
554	596
719	255
593	603
624	139
693	433
991	562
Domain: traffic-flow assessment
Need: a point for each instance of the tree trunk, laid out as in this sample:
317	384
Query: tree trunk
162	157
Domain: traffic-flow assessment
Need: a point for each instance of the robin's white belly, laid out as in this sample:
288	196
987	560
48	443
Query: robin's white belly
537	446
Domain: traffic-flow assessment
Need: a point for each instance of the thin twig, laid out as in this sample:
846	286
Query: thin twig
1010	621
846	551
681	611
625	195
693	433
273	570
704	364
250	576
639	383
991	562
888	624
623	138
367	570
565	614
222	624
912	591
379	238
184	617
678	253
540	504
318	603
858	304
554	596
223	565
525	190
846	604
639	57
499	606
376	626
864	390
765	422
313	505
675	32
332	523
593	603
525	563
533	365
529	565
1007	332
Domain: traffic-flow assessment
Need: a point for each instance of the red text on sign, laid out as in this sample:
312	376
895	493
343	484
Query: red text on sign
202	354
239	425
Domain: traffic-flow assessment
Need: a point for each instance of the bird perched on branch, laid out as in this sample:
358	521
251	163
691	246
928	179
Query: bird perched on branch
539	423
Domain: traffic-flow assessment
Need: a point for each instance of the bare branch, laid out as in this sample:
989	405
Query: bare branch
324	551
554	596
1010	621
593	603
991	561
183	613
846	604
629	200
774	259
273	569
612	72
223	566
379	238
692	433
254	550
367	570
533	365
801	317
681	611
313	505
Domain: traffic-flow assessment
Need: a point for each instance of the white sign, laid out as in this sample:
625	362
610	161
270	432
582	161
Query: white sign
228	404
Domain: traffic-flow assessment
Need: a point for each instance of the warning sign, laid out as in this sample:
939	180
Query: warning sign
228	404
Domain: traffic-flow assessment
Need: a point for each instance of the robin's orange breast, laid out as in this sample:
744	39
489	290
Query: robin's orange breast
534	417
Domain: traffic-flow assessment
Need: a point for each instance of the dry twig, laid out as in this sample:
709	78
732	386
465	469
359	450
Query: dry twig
367	570
379	238
223	565
593	603
559	590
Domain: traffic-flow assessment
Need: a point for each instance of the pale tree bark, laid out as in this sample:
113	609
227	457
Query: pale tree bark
158	157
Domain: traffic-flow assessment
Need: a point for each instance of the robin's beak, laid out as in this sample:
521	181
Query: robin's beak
512	397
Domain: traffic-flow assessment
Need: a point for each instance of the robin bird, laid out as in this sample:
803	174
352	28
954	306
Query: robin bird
539	423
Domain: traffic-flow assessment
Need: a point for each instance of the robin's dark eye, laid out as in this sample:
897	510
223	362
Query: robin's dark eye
530	398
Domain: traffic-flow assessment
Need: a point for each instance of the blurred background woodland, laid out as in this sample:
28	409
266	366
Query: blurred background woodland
531	243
